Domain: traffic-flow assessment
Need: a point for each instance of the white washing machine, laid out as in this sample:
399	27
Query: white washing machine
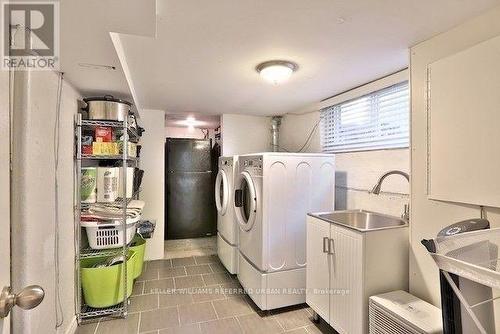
273	194
227	227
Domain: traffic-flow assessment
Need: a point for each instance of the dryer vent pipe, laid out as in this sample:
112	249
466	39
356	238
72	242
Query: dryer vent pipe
275	132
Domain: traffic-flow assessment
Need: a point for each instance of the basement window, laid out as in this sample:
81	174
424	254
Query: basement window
379	120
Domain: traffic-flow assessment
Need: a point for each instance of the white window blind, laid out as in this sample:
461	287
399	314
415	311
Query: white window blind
379	120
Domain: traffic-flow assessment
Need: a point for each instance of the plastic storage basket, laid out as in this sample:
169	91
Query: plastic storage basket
138	247
103	287
109	235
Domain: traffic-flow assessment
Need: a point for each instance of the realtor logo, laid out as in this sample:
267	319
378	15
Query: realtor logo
30	35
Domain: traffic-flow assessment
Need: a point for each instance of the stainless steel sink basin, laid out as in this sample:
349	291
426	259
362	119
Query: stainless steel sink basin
361	220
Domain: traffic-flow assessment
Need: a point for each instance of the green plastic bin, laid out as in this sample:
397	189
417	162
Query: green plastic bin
103	287
139	249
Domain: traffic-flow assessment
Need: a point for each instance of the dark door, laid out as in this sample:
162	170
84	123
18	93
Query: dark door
189	201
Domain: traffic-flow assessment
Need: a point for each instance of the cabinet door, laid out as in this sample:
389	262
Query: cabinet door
318	267
346	281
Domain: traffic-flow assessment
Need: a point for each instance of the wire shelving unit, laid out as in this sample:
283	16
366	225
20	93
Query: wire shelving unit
84	312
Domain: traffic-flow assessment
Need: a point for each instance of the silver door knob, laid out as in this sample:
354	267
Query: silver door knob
28	298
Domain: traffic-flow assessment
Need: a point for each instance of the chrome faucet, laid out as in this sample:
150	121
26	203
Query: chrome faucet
376	190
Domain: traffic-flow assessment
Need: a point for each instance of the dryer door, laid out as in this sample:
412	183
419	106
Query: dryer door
245	201
221	192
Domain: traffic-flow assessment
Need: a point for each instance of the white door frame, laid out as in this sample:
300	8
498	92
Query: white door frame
5	190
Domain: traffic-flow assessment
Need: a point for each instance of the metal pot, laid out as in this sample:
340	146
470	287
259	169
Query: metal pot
107	108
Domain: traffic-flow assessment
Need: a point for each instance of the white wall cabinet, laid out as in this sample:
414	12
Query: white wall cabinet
463	136
345	267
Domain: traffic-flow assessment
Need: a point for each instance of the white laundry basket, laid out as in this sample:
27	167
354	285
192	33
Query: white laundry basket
109	235
473	256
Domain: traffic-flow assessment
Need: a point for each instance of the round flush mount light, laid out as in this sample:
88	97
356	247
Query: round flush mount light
190	122
276	71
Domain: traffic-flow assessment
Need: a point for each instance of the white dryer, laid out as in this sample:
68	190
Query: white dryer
273	194
227	227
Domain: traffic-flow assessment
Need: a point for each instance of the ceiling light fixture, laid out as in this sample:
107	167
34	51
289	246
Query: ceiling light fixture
276	71
190	122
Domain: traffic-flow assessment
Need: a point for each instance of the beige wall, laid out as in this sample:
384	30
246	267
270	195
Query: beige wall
152	162
427	216
356	174
33	201
296	128
183	132
243	134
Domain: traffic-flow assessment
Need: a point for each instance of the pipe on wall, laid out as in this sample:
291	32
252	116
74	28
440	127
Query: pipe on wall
275	132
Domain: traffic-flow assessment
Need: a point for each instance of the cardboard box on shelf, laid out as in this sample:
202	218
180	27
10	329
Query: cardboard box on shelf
103	134
104	148
132	149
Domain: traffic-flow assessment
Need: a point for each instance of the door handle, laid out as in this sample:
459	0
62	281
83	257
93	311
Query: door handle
326	245
238	198
331	247
28	298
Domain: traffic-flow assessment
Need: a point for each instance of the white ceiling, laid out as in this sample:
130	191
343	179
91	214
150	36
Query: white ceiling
195	56
85	38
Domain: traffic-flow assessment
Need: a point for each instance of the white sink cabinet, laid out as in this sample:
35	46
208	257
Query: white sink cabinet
346	266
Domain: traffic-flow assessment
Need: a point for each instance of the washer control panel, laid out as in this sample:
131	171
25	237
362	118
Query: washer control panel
225	162
252	164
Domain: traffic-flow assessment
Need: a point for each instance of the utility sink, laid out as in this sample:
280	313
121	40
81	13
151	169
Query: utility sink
361	220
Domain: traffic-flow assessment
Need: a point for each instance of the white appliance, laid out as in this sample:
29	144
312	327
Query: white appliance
227	227
398	312
274	192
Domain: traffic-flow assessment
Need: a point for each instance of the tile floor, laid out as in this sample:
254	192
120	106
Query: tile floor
197	295
190	247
